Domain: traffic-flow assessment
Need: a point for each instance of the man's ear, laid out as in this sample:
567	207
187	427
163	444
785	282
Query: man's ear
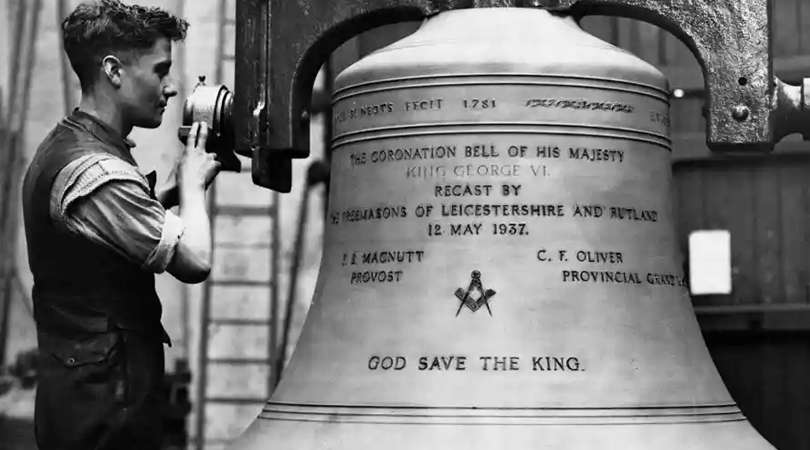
113	69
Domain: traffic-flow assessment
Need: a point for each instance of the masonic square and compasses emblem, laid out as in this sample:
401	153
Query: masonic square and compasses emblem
475	296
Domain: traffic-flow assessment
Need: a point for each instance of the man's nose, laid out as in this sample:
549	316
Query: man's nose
169	90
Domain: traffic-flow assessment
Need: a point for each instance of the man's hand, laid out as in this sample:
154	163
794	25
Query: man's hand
169	195
197	168
191	262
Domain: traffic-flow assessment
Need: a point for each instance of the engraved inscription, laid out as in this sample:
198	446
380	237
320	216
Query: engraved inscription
501	210
413	153
580	103
481	151
426	172
597	257
361	214
423	104
474	190
475	296
371	110
448	150
556	364
485	210
443	363
469	229
658	117
488	210
387	363
462	190
463	171
383	257
486	170
583	256
596	154
557	196
488	151
615	213
600	276
479	103
621	277
547	151
500	363
376	276
666	279
605	258
510	229
378	258
364	111
483	363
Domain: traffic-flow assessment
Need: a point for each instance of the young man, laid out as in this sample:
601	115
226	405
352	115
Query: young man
97	233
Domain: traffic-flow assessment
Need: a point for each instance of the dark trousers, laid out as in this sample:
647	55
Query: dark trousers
100	391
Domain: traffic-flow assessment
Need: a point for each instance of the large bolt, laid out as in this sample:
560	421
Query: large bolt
740	112
805	108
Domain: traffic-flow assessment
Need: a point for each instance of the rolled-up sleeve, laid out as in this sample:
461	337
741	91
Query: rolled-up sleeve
109	203
162	254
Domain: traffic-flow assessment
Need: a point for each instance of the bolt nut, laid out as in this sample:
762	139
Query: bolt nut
806	94
805	108
740	112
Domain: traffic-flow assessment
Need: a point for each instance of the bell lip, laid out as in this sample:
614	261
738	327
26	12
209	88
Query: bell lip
413	414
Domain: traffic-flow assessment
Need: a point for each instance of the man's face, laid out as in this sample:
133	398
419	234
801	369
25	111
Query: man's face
146	85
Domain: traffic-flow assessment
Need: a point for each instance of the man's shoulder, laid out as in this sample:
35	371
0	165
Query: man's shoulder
92	170
108	167
84	176
62	146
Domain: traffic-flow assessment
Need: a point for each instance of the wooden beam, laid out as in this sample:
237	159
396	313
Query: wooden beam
67	86
691	147
10	150
754	318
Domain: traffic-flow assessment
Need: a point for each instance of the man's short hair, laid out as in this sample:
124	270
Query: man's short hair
97	29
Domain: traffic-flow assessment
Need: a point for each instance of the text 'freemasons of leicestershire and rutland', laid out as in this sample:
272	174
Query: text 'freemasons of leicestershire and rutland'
361	214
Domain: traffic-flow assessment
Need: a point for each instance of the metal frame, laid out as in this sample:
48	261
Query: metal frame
730	39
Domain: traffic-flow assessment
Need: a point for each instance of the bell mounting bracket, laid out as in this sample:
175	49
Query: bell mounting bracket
282	44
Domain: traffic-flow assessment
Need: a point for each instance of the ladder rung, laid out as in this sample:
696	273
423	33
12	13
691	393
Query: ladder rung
209	441
240	246
240	322
227	57
236	401
232	210
240	283
239	361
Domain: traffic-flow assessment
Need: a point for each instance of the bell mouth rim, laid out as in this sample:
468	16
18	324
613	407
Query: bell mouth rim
709	413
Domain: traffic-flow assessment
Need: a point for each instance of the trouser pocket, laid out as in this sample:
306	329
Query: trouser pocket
97	363
82	389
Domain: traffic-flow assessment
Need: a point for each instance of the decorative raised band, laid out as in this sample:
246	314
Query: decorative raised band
369	414
499	80
461	128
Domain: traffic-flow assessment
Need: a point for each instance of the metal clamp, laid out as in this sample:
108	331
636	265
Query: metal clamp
730	39
212	105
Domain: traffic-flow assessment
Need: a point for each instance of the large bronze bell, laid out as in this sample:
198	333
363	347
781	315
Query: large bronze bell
500	265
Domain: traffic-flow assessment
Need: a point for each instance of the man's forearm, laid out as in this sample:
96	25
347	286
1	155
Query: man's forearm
198	226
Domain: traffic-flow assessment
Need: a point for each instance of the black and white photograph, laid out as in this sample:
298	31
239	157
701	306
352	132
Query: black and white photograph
404	224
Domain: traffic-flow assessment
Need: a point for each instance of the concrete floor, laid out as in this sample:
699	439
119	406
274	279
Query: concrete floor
16	434
16	417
